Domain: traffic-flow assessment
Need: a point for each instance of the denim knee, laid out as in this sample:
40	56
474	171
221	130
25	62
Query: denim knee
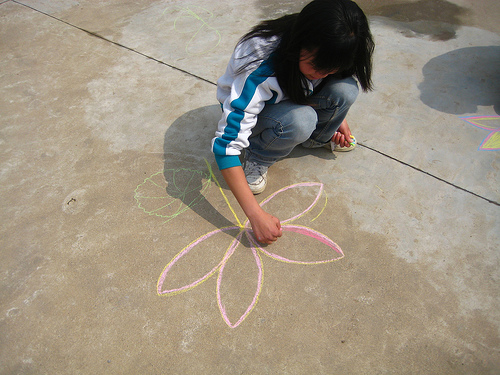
350	90
302	122
340	92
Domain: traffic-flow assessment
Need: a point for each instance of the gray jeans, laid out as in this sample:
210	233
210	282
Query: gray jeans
282	126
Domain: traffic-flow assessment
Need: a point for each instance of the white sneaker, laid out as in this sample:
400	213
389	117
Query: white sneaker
336	148
256	175
351	147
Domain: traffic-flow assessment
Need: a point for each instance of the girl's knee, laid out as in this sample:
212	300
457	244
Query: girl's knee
344	91
303	123
351	90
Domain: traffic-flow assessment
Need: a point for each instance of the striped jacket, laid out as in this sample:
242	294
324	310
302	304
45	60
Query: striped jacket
243	96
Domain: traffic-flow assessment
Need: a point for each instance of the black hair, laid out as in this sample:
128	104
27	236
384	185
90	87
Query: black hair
335	31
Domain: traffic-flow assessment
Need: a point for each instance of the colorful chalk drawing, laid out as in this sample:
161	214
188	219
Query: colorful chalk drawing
168	200
490	123
242	232
193	20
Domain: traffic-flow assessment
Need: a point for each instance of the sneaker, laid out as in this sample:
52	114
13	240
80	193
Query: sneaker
336	148
256	175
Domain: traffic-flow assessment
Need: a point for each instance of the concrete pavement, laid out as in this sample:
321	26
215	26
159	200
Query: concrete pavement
106	113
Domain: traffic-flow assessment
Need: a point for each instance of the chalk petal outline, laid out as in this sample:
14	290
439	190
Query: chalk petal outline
314	185
184	252
492	141
260	277
310	233
255	248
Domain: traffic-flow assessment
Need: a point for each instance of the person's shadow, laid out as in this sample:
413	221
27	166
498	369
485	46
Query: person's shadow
459	81
186	151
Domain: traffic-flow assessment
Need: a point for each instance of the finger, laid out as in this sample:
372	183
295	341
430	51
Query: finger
270	240
337	137
341	140
349	140
265	240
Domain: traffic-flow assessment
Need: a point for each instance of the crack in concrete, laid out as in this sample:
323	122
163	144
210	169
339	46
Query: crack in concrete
381	11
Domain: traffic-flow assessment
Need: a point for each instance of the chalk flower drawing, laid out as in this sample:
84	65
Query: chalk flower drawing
185	188
490	123
255	248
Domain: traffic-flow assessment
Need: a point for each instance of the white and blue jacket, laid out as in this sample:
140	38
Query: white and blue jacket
242	97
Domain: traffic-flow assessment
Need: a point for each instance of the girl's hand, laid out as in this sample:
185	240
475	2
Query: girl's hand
343	135
266	227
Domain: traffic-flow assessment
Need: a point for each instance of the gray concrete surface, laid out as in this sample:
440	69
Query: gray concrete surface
97	97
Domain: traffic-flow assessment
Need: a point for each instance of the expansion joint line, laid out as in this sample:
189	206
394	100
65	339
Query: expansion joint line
429	174
91	33
213	83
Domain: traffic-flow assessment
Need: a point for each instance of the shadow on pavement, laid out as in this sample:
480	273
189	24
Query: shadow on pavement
461	80
438	19
186	147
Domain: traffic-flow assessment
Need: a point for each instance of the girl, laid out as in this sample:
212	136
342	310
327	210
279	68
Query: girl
289	81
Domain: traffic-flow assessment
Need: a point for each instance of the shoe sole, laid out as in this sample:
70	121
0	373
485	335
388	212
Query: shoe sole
344	149
335	148
256	191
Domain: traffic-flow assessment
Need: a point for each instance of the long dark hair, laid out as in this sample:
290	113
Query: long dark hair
338	33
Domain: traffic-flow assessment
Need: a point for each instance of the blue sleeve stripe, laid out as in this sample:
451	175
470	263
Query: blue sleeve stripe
224	162
233	120
220	145
273	99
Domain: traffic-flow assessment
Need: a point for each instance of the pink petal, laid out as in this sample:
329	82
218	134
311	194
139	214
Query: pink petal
291	196
307	232
482	122
186	251
249	309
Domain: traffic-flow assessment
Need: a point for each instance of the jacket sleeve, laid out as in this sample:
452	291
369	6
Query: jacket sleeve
248	95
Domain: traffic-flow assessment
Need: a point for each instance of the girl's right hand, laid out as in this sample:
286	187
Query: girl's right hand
266	227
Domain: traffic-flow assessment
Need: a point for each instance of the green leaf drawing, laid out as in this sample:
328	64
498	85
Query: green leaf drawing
169	193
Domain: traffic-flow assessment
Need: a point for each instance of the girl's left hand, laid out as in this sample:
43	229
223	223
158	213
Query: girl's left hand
343	135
